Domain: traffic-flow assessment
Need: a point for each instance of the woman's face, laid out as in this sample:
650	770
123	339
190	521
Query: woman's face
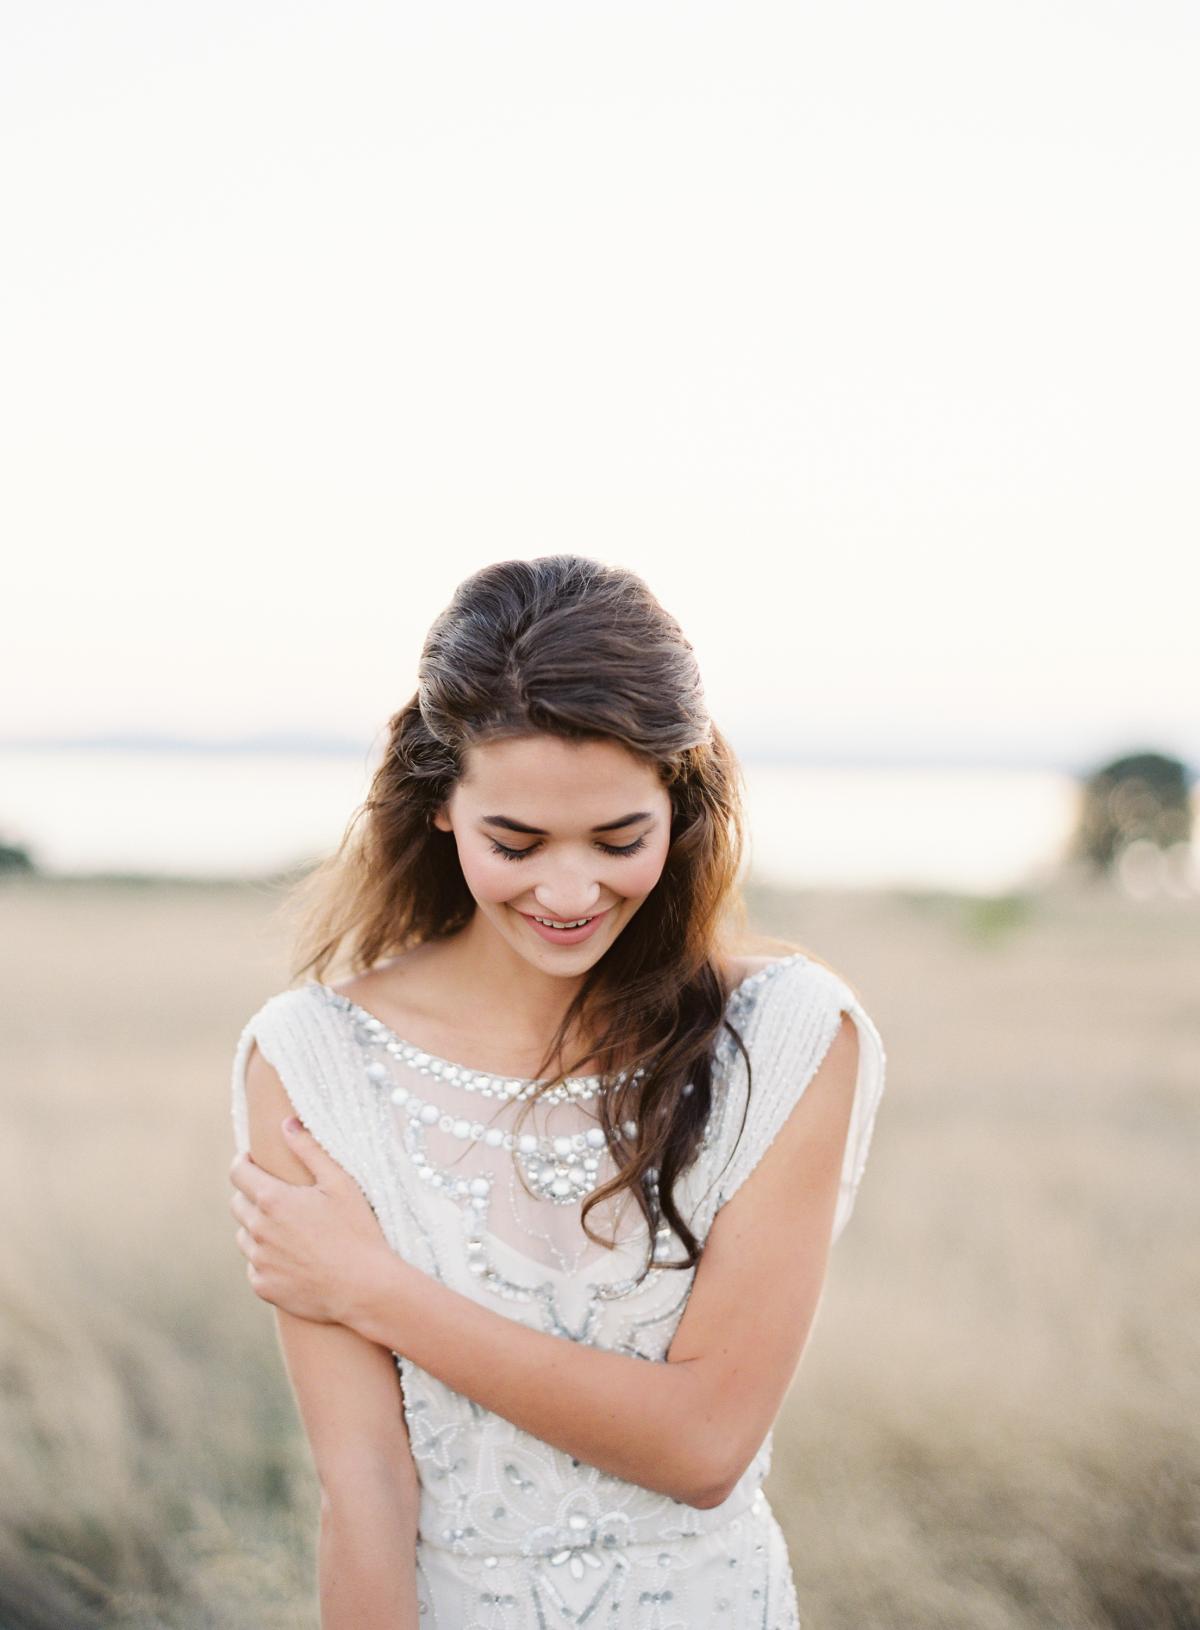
561	830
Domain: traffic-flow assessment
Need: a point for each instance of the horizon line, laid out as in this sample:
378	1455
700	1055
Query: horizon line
815	755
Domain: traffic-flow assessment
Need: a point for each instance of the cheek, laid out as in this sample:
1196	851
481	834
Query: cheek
490	877
639	874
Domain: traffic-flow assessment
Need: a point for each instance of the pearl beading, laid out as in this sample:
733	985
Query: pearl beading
573	1089
562	1169
477	1236
526	1525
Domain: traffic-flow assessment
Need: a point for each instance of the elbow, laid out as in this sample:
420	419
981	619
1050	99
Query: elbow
705	1498
710	1483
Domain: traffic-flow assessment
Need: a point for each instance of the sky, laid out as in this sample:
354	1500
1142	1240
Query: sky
866	334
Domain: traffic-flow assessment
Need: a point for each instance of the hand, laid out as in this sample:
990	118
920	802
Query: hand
311	1249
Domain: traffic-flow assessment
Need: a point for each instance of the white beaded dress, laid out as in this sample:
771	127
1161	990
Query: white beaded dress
514	1533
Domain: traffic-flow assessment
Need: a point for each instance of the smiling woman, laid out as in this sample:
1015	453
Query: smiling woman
573	885
577	1183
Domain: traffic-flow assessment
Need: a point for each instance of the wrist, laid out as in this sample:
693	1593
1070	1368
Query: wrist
373	1299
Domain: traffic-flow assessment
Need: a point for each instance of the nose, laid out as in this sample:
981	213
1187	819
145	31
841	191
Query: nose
567	899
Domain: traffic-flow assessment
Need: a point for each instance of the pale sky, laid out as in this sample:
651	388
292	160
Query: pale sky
867	333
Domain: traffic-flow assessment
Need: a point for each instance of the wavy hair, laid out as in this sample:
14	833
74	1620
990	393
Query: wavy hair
583	650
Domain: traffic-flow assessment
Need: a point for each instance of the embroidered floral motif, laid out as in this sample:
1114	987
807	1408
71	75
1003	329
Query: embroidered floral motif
514	1533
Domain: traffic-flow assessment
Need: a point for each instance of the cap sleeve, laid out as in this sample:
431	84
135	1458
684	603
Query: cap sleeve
790	1029
309	1056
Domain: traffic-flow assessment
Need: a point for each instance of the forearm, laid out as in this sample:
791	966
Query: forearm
639	1420
367	1556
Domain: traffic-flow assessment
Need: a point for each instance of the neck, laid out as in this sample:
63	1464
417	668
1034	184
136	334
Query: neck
509	993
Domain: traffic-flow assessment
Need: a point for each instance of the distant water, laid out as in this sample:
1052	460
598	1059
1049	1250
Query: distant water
239	814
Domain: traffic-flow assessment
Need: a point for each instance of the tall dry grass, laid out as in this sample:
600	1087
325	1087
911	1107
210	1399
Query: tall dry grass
994	1426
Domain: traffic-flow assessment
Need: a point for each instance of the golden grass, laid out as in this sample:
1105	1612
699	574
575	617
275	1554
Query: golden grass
994	1426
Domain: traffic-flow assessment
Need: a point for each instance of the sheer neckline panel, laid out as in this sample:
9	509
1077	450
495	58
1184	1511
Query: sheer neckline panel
422	1056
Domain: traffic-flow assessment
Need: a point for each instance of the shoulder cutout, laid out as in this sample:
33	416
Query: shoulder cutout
310	1055
788	1030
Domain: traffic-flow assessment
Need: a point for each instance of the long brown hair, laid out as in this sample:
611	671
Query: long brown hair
580	649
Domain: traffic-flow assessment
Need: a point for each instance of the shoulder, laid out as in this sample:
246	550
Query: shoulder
285	1004
735	969
743	977
295	1041
803	1027
288	1023
279	1026
780	982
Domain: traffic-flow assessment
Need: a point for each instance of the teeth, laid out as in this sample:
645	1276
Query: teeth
550	923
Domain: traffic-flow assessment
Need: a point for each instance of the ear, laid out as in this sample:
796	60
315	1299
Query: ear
440	819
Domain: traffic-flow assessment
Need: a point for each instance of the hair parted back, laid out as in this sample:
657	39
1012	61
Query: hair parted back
580	649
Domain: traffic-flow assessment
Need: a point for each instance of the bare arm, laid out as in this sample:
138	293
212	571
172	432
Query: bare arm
348	1394
688	1427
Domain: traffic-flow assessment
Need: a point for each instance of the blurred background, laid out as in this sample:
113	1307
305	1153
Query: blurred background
868	336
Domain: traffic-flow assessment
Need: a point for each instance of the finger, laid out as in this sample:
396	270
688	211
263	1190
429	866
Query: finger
246	1174
242	1209
323	1166
243	1161
261	1187
247	1244
262	1286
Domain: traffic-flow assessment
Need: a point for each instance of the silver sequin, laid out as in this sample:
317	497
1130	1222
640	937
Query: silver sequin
515	1533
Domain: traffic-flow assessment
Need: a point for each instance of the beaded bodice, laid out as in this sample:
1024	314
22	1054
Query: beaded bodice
500	1154
481	1185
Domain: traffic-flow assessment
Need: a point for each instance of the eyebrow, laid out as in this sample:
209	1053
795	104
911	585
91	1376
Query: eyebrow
537	832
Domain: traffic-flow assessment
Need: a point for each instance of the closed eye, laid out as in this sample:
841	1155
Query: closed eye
609	849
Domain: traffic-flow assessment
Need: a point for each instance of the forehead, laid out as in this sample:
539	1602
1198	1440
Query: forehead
546	776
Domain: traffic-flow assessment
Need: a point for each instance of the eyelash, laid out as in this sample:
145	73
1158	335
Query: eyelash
609	848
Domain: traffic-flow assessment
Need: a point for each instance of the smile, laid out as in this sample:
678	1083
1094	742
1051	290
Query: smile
565	931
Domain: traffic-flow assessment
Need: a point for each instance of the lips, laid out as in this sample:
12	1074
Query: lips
565	936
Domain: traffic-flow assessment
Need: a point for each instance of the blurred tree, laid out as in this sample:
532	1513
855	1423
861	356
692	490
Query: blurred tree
1141	797
14	857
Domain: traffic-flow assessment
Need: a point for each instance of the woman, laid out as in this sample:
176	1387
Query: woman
547	1247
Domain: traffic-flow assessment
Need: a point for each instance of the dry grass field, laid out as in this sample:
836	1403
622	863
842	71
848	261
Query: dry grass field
995	1424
